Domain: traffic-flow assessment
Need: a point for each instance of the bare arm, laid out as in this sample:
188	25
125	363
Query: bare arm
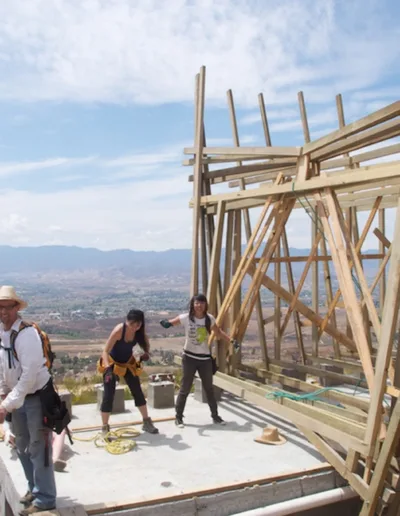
112	339
175	321
167	323
220	334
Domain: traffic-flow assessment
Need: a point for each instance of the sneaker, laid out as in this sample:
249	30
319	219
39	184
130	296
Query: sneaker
28	498
105	429
218	420
33	509
149	427
179	422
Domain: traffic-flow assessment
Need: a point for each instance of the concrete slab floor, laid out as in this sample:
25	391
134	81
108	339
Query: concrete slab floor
200	456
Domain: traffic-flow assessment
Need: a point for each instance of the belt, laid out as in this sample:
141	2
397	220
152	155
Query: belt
37	393
33	394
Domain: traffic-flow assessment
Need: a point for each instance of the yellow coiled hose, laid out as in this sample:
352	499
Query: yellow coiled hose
116	441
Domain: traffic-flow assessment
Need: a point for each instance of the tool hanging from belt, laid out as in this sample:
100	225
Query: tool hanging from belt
120	369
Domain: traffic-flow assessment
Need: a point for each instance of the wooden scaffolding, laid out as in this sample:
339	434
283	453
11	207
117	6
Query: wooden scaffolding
358	435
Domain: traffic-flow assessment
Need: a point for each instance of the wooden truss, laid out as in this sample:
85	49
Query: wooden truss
359	436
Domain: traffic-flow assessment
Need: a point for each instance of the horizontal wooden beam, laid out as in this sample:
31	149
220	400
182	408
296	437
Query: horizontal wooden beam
382	115
389	201
294	259
332	163
279	365
338	181
374	135
331	395
295	412
254	152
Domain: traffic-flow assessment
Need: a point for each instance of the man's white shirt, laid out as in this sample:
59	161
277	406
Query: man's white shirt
26	375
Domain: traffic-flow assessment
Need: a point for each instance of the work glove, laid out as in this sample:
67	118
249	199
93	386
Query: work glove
145	357
235	345
165	323
108	374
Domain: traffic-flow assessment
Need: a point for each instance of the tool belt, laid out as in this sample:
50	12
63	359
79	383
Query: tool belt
56	416
136	368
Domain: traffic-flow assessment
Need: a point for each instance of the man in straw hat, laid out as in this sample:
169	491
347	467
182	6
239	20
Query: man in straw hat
21	379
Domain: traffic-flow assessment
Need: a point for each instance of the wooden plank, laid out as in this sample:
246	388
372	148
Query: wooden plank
277	303
333	457
332	395
389	323
264	119
284	209
247	225
197	172
332	203
215	260
290	279
319	258
383	462
279	365
297	413
347	288
228	252
334	163
374	135
300	284
305	310
382	283
254	152
380	116
359	245
363	175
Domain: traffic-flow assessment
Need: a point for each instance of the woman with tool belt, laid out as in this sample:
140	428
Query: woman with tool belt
127	347
198	324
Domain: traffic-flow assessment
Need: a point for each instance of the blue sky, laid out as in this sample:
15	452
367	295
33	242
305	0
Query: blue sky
96	103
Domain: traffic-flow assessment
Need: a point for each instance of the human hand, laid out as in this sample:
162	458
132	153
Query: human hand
145	357
3	414
235	345
165	323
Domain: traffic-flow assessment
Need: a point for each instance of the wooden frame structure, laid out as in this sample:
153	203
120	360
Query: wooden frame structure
359	436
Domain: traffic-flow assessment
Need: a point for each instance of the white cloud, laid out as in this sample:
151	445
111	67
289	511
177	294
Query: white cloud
12	168
136	215
13	223
147	51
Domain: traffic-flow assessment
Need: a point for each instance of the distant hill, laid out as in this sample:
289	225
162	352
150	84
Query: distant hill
25	260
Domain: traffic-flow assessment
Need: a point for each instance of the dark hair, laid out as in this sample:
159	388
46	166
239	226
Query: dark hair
202	299
140	336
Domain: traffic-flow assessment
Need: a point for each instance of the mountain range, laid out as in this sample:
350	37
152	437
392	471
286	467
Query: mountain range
26	260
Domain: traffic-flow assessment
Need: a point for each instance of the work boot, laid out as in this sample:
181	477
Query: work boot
59	465
33	509
148	426
218	420
179	422
28	498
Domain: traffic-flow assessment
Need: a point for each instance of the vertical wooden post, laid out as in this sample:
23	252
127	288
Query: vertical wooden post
382	282
247	227
226	323
314	233
292	290
277	304
237	255
197	179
